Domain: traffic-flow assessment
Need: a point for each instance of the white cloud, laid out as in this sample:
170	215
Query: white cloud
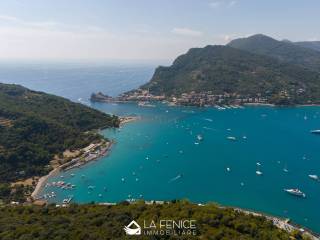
187	32
8	18
215	4
20	39
232	3
222	3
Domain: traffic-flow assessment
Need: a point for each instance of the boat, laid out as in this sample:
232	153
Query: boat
295	192
314	177
258	172
67	200
232	138
199	137
228	169
317	131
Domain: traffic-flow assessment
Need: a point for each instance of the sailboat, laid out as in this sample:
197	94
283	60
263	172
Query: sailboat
258	172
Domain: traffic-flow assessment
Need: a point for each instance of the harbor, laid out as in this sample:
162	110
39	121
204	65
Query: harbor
183	149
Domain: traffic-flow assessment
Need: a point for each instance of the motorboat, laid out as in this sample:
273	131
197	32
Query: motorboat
295	192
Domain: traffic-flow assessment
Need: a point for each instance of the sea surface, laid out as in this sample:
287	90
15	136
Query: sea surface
160	158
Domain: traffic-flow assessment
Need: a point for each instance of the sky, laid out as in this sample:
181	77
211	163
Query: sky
144	29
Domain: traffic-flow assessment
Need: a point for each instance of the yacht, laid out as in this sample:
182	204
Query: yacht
232	138
314	177
295	192
317	131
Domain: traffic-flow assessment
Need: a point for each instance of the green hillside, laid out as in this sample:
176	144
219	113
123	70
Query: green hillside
314	45
281	50
223	69
34	126
92	222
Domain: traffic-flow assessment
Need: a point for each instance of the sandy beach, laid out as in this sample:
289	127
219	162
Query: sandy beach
124	120
42	181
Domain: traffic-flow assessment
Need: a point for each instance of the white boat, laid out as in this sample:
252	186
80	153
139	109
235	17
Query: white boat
67	200
232	138
317	131
228	169
258	172
314	177
295	192
199	137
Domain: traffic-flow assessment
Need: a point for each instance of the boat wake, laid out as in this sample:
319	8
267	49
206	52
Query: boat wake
175	178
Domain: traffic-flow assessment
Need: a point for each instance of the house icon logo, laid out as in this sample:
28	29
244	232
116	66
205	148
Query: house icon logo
133	228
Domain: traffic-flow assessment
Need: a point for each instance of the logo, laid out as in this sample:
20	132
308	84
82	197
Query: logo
162	227
133	228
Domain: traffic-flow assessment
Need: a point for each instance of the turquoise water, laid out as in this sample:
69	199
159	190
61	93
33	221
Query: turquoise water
151	153
276	137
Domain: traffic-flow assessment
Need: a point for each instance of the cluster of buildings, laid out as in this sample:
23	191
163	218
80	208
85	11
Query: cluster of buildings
207	98
89	153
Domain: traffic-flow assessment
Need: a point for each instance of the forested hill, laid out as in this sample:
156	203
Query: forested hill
93	222
34	126
223	69
314	45
286	51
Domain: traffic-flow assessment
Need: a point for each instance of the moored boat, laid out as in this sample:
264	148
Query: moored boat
199	137
232	138
295	192
314	177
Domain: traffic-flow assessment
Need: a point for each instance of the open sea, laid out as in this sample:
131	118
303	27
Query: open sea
160	158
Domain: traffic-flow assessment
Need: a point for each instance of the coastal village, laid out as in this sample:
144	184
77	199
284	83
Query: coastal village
192	98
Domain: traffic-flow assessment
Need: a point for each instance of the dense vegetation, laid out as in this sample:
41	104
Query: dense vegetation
223	69
35	126
92	222
284	51
314	45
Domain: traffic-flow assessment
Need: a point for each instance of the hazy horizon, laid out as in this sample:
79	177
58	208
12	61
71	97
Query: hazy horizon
143	30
